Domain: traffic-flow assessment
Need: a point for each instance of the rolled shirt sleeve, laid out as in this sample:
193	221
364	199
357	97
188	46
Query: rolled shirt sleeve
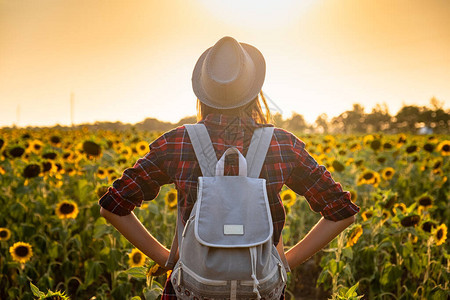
139	183
314	182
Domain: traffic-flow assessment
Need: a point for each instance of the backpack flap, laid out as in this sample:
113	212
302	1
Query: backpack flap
232	211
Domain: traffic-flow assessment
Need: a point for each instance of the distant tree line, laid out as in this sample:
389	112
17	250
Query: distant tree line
409	119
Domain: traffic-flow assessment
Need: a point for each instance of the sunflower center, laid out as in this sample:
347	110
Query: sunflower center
3	234
287	197
368	176
439	234
22	251
425	201
446	148
437	165
388	173
427	226
410	221
171	197
137	257
66	208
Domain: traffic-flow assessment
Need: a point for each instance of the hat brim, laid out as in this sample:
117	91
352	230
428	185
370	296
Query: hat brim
253	91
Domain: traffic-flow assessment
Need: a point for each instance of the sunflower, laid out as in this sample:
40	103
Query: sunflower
142	148
21	252
444	148
381	159
369	177
70	171
125	151
50	155
355	147
35	146
171	198
401	206
156	270
48	166
387	146
16	151
101	190
136	258
440	234
101	173
31	171
92	149
428	147
368	139
413	238
425	201
5	234
375	145
385	214
409	221
288	197
437	165
338	166
428	226
353	195
366	215
387	173
55	139
411	149
401	139
67	209
58	295
354	236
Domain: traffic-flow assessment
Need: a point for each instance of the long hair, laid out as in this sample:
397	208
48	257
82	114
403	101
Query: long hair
253	109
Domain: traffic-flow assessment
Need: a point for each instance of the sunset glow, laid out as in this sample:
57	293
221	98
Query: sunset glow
126	61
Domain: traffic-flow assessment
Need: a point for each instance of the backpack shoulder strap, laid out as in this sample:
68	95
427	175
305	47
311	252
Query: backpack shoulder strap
257	150
203	148
207	159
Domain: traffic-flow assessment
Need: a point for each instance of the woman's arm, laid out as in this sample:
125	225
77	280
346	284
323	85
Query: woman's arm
318	237
133	230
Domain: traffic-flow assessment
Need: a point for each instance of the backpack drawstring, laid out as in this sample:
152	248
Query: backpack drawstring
253	257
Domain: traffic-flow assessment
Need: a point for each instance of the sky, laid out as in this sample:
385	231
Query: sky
130	60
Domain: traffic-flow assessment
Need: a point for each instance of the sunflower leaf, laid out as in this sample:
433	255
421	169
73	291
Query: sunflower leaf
352	291
137	272
36	290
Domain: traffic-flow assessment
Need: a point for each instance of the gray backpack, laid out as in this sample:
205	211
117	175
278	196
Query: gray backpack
226	246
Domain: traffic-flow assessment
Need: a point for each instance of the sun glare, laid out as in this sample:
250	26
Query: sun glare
263	13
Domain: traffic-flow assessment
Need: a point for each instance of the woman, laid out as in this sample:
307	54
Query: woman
227	80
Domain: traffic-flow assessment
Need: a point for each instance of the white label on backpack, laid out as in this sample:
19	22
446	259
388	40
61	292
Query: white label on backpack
233	229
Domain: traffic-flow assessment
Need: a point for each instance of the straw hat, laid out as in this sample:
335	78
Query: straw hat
229	74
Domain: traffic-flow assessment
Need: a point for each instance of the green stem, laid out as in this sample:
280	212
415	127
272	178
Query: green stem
427	271
340	244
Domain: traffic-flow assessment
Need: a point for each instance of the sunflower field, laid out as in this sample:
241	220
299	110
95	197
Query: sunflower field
55	245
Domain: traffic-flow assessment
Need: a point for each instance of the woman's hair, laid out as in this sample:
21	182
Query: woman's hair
252	109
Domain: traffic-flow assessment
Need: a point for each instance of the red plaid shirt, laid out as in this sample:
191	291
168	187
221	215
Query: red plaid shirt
171	159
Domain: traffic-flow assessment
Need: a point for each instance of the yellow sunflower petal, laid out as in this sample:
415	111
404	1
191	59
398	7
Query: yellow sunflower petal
136	258
21	252
67	209
288	197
